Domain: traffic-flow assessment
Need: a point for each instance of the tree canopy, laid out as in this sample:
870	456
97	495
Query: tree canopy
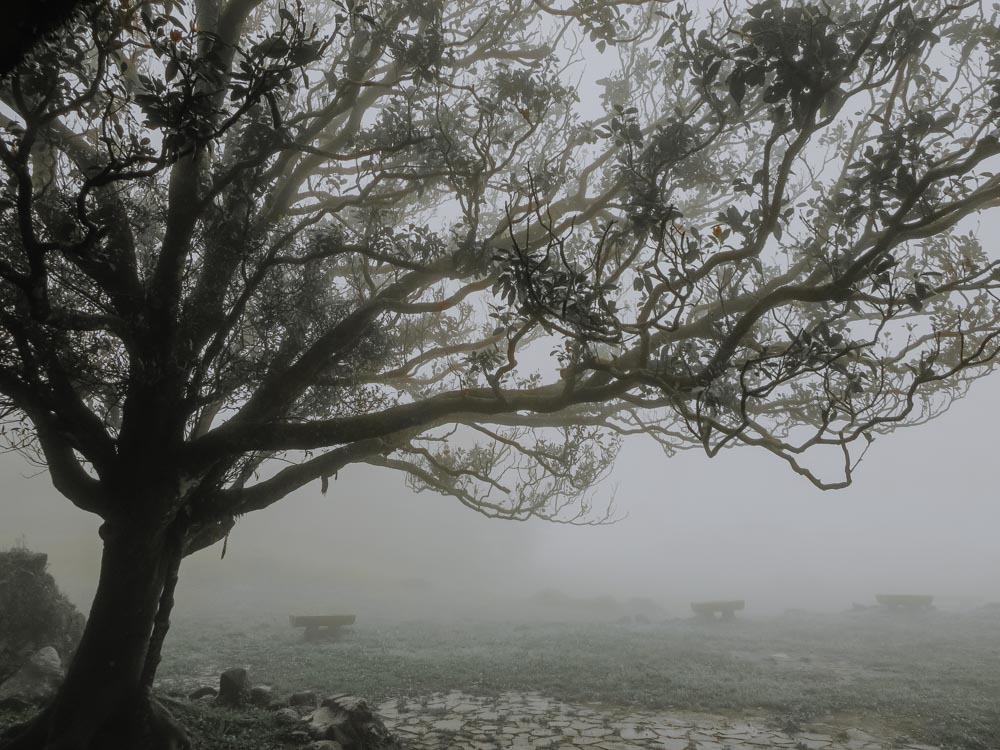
244	244
243	232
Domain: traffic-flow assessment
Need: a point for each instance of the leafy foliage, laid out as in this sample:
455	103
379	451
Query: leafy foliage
247	244
33	612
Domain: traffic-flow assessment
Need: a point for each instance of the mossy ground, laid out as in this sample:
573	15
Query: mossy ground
932	676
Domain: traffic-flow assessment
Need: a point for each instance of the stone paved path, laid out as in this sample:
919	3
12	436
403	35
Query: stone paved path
532	722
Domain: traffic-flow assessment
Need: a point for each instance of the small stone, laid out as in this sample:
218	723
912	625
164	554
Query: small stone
287	716
37	679
325	722
234	687
448	725
201	692
358	708
635	733
260	695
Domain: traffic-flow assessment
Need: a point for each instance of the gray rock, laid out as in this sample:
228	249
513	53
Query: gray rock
326	722
234	687
325	745
357	708
287	716
37	679
260	695
201	692
350	721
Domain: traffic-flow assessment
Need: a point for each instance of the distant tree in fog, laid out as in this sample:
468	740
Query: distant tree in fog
246	245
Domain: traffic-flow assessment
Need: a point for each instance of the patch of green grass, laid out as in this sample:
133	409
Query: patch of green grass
933	677
212	728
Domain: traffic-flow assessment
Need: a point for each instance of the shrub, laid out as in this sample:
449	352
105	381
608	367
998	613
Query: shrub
33	612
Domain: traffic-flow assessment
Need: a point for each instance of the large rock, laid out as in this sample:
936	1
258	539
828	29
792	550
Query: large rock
33	612
36	680
234	687
350	722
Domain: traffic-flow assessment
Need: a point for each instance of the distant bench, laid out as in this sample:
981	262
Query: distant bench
726	610
320	626
906	602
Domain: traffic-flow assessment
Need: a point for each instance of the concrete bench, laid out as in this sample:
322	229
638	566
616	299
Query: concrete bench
320	626
725	609
905	602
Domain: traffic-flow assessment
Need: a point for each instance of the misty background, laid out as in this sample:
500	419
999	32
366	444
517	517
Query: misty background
921	517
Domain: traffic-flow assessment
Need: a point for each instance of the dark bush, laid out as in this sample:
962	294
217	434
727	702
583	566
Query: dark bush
33	612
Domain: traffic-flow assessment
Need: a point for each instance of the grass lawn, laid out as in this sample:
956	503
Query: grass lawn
934	676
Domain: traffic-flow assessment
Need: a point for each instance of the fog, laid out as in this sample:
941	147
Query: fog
921	517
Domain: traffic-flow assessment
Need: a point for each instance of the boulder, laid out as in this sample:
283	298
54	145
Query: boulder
357	708
326	722
37	679
350	722
234	687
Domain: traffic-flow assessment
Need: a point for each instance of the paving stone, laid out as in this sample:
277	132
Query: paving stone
597	732
813	743
671	743
630	732
512	721
448	725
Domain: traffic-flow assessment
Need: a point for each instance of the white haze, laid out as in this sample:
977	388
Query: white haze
922	517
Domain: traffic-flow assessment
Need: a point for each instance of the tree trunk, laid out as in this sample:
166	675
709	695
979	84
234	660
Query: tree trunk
102	702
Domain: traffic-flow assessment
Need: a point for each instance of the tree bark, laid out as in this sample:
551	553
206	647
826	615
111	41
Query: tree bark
161	623
103	702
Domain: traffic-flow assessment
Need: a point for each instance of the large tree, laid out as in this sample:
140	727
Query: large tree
245	244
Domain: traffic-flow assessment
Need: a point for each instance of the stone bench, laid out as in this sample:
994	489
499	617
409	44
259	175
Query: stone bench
320	626
725	609
905	602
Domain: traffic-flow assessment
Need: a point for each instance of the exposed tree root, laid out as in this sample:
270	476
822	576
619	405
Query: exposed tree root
149	727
